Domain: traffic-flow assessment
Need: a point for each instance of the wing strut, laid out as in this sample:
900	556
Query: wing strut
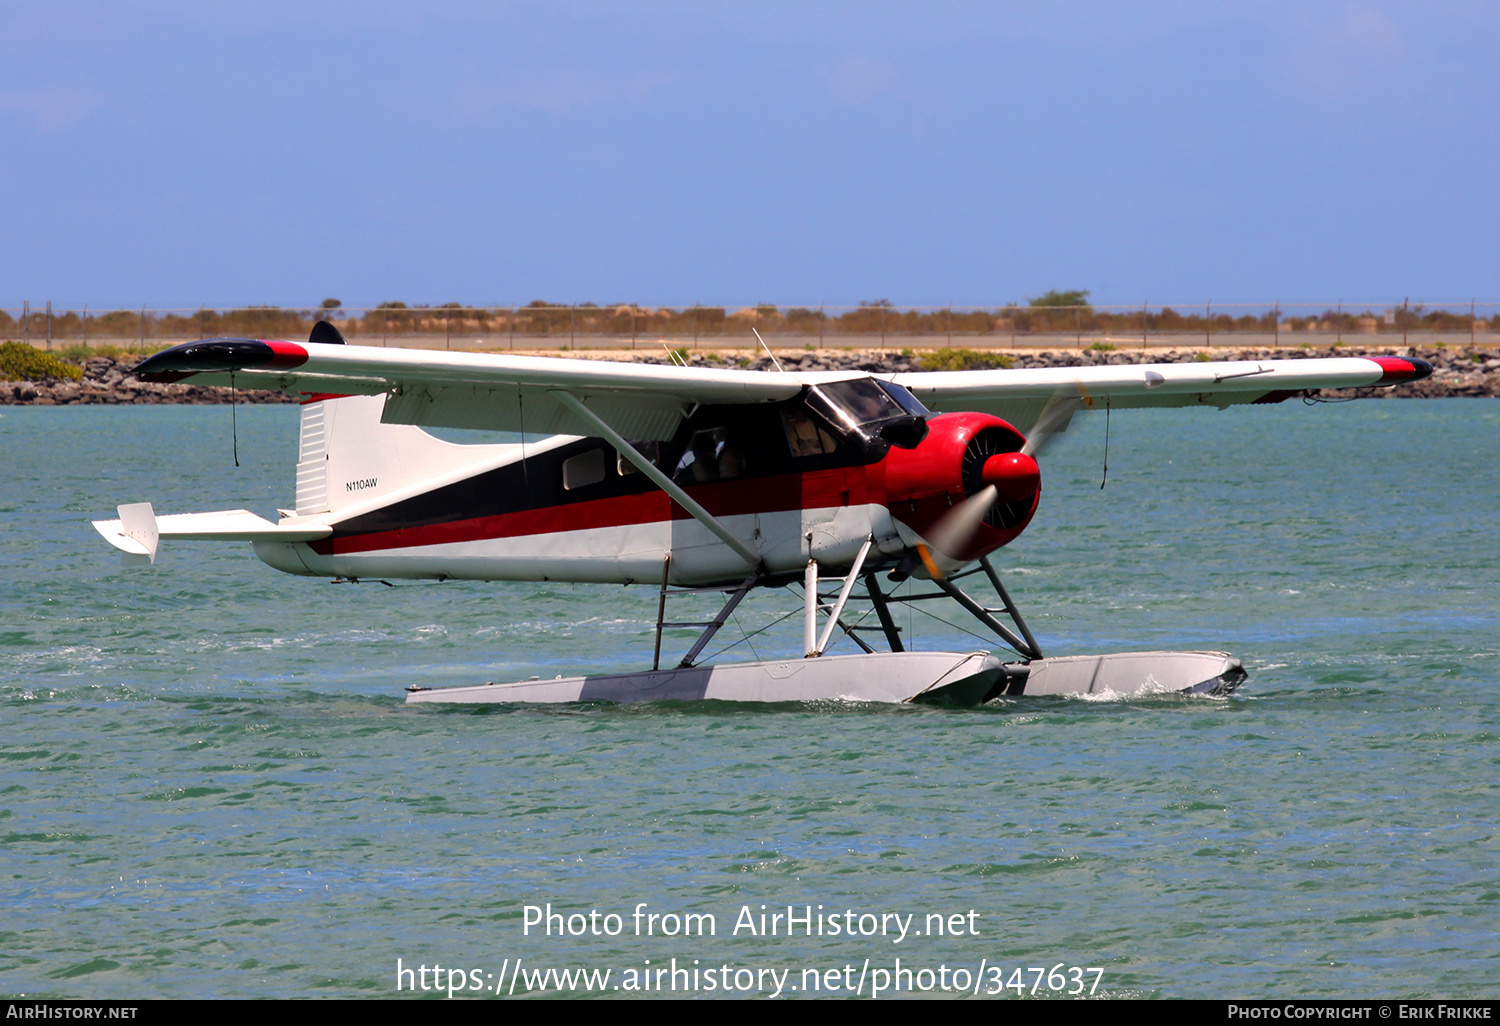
662	481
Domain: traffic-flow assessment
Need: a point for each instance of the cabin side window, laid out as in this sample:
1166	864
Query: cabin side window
804	435
710	456
650	450
585	469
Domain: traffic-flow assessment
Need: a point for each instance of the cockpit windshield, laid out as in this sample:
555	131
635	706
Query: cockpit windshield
865	401
876	412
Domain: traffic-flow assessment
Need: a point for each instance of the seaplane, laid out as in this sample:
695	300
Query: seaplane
708	481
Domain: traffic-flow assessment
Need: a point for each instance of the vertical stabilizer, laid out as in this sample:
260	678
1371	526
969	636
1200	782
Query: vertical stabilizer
312	460
138	524
347	456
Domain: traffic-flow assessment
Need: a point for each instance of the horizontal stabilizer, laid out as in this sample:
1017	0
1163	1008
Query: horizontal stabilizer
138	531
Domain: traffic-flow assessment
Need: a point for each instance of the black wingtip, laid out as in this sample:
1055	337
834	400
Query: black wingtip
324	333
220	355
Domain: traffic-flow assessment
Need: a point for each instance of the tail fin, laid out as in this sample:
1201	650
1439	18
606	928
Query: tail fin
312	458
347	456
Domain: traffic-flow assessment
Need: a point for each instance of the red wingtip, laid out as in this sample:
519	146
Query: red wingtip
1401	368
288	355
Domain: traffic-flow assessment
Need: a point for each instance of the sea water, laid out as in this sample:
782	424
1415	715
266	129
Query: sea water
210	785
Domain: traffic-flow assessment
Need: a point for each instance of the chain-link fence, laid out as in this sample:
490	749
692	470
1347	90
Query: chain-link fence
882	325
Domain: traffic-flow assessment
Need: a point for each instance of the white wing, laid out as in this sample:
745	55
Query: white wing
1019	396
474	390
647	401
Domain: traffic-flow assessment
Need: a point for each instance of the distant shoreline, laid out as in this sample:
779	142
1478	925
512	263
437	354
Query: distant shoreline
1057	318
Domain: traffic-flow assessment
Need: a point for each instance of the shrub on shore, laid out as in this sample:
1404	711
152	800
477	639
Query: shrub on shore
79	353
961	360
19	361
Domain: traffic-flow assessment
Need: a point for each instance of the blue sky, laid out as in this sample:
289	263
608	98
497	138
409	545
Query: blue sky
671	153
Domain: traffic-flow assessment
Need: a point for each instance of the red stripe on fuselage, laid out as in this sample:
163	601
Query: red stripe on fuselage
842	486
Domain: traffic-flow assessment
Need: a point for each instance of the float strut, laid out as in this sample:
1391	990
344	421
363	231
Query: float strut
661	609
712	627
883	612
985	617
1010	607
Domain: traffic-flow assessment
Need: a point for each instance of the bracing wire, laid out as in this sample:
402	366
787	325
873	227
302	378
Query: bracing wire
743	636
521	414
234	423
747	637
1106	444
1308	398
962	630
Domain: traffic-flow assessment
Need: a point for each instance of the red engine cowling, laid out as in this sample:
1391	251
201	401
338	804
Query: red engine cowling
963	454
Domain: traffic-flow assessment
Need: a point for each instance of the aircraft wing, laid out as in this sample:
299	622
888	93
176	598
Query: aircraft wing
648	401
1020	396
473	390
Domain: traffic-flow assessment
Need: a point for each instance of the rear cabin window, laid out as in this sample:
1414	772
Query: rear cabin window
583	470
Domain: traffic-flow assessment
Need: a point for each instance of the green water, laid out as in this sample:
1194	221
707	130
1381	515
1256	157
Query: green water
209	785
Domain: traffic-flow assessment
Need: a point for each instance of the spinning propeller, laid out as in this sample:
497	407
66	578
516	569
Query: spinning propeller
1006	476
1054	416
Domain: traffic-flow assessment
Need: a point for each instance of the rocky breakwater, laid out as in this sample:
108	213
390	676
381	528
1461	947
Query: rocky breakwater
107	380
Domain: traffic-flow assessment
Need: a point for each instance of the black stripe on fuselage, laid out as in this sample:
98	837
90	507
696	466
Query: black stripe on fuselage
755	432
